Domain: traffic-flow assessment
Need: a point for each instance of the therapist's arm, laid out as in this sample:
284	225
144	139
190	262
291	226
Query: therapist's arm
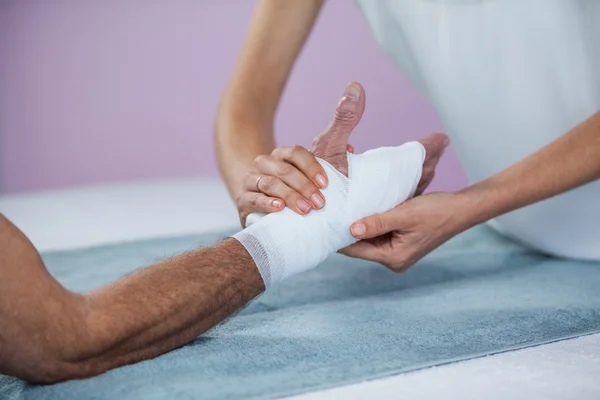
244	121
405	234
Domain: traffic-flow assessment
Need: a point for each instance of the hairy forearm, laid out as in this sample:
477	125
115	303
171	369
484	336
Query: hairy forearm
168	304
50	334
568	162
244	121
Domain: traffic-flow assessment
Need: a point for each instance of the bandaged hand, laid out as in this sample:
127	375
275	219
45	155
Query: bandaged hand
285	243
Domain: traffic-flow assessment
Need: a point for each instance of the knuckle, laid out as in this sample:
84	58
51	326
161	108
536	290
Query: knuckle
254	200
259	160
345	116
297	151
266	203
396	268
400	265
377	225
307	188
268	183
283	169
278	152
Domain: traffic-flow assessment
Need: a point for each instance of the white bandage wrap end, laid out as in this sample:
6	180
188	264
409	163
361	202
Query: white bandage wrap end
283	244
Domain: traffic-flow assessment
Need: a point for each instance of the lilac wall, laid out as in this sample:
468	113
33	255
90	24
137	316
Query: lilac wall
94	91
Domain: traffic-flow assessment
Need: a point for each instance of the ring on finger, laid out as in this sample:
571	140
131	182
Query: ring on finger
257	182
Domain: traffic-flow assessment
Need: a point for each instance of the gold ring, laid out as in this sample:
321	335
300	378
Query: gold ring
257	181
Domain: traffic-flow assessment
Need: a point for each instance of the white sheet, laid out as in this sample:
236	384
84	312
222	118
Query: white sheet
71	218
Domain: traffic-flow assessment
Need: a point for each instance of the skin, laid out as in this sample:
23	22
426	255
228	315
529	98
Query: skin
244	138
50	334
259	176
244	122
402	236
397	239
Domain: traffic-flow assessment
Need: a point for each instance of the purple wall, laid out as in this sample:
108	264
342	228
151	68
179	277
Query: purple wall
95	91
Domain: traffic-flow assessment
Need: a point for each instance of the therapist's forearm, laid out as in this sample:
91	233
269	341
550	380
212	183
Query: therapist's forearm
244	121
568	162
242	132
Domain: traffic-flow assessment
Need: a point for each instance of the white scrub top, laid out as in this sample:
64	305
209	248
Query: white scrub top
506	78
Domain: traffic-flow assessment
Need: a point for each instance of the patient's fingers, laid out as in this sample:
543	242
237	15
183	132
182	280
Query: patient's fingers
250	202
434	144
331	145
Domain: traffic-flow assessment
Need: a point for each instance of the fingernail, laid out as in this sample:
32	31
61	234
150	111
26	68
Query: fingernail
352	91
347	104
277	203
303	205
358	230
321	181
317	200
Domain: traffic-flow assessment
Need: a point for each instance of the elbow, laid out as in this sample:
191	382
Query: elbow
45	369
50	347
47	372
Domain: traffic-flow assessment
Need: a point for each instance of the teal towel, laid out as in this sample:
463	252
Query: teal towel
344	322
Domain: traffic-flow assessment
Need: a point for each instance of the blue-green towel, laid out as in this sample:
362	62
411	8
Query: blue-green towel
346	321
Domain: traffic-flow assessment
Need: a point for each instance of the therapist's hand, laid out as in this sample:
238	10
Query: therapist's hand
404	235
291	176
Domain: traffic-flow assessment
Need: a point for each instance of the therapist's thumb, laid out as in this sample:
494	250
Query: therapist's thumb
375	225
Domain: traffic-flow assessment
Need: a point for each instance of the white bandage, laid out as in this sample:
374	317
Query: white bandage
283	244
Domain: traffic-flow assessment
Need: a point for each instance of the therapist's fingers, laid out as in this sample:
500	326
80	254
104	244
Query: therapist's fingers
274	187
250	202
377	225
307	164
332	144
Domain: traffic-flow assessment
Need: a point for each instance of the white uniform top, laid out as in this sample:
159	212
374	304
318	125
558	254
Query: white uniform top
506	78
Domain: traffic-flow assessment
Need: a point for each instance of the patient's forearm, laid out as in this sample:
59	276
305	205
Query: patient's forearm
50	334
168	304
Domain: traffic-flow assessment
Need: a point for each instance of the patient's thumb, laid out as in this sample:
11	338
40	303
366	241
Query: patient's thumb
347	115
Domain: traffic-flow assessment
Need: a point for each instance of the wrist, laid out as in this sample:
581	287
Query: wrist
239	138
478	203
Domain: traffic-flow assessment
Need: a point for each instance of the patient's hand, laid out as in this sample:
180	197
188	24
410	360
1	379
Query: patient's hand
291	176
